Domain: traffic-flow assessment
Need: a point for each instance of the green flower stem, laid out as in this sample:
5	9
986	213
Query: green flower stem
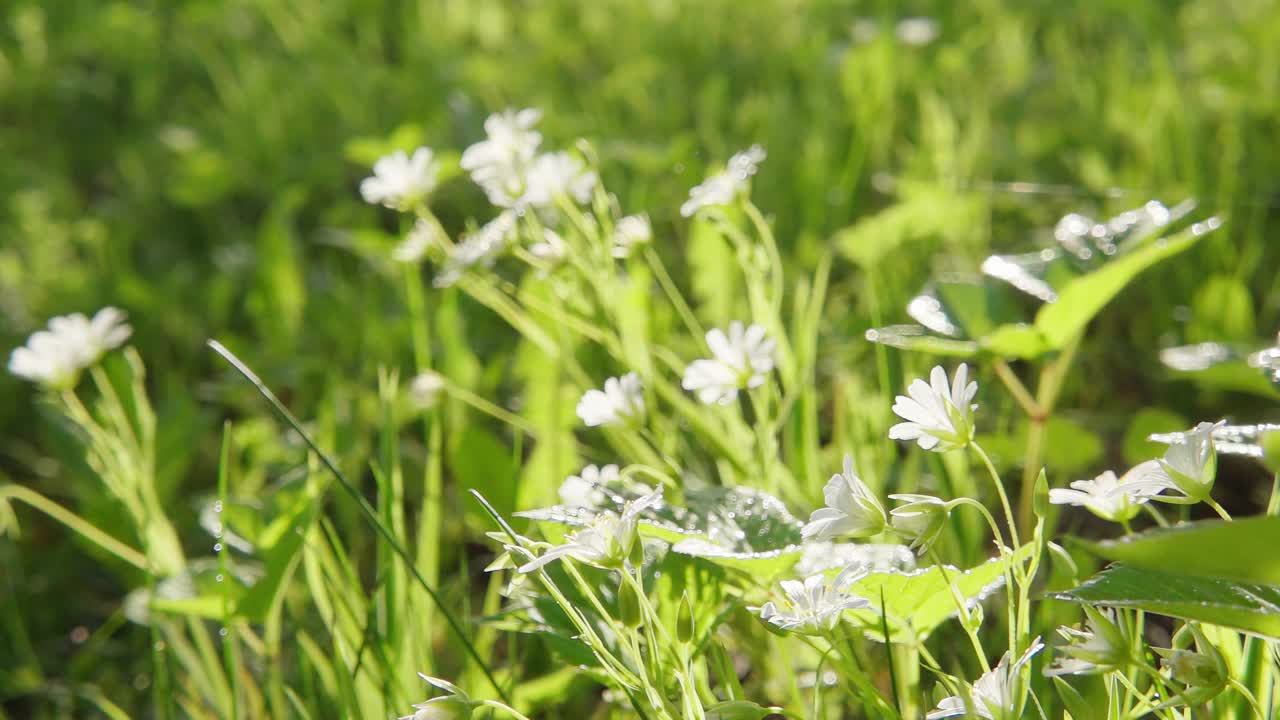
1004	497
1155	514
1222	512
1018	390
1253	701
76	524
672	292
964	614
430	524
505	708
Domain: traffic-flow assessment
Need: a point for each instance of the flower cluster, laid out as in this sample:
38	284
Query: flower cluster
725	187
56	356
401	181
741	359
507	166
815	605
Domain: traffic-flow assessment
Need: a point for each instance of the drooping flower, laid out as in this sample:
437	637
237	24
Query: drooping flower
500	163
456	705
1188	467
939	416
815	605
555	174
998	695
481	248
725	187
1105	496
400	181
920	518
55	357
631	232
584	489
1204	670
606	542
741	360
852	509
621	400
1102	647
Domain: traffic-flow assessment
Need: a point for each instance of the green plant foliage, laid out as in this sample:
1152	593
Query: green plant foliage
1250	607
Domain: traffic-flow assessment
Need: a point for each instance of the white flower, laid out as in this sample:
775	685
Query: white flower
55	357
556	174
1105	496
725	187
1102	647
852	510
551	248
815	605
415	245
621	400
916	31
425	389
939	417
400	181
454	706
997	695
631	232
500	163
742	359
481	247
584	489
1188	467
606	542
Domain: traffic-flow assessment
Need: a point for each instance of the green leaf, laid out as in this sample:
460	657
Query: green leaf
1242	550
917	338
1233	375
1015	341
1082	298
917	602
1251	607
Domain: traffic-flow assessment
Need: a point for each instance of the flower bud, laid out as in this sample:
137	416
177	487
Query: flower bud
629	606
684	620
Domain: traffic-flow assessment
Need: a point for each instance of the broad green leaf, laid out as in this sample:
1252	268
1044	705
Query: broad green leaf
1233	375
917	602
1243	550
1014	341
1251	607
1075	703
1081	299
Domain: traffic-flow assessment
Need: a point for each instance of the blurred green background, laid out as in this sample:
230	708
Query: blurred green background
196	164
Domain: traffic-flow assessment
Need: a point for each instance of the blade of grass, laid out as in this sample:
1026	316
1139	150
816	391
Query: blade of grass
370	514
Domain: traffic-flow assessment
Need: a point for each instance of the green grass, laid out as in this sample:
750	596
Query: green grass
197	164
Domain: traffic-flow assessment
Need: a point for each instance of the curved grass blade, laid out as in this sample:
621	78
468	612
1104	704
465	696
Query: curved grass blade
365	508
